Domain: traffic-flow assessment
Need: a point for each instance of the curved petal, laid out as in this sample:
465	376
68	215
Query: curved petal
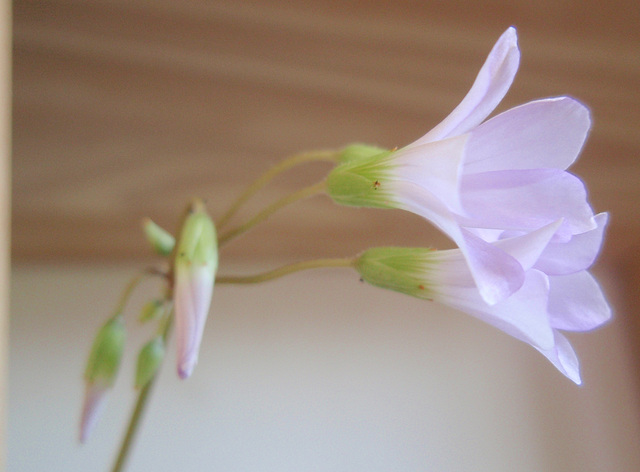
193	290
526	200
563	357
436	167
523	315
496	273
575	255
490	87
544	133
576	302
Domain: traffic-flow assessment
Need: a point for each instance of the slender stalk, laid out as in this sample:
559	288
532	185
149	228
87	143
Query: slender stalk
286	270
264	179
138	410
270	210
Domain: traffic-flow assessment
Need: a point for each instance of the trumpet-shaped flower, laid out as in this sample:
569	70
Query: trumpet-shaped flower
558	293
196	262
477	180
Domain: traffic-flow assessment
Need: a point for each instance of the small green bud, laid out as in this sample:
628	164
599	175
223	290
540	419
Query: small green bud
106	353
160	239
151	310
356	152
363	182
404	270
149	360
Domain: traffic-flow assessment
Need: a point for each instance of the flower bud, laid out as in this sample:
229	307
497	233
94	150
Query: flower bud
196	262
161	240
149	360
401	269
101	370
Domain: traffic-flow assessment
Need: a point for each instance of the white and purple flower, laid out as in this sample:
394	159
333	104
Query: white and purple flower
558	293
479	181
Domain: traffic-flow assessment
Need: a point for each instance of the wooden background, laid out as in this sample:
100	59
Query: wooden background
127	108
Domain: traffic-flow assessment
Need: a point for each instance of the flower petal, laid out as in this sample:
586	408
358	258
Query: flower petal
575	255
563	357
526	249
576	302
436	167
544	133
490	87
523	315
496	273
526	200
193	290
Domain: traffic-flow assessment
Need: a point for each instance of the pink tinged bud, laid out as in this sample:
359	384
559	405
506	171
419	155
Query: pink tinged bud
95	397
194	275
100	373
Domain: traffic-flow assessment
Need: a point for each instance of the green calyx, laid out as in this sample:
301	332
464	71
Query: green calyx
363	181
198	242
404	270
106	352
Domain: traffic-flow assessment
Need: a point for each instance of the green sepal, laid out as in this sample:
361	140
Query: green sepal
149	360
357	152
106	352
161	240
363	182
198	242
151	310
404	270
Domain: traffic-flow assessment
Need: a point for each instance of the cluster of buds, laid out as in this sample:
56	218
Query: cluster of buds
186	299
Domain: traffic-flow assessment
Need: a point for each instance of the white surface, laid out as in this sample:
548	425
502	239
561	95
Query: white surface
316	372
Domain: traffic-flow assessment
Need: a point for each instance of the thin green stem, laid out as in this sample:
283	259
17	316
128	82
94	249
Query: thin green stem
138	410
270	210
286	270
264	179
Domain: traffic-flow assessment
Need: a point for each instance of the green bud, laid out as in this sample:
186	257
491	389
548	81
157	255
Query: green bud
404	270
362	182
356	152
198	240
151	310
106	353
149	360
160	239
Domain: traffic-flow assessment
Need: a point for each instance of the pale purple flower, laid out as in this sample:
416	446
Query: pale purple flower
95	397
478	181
557	293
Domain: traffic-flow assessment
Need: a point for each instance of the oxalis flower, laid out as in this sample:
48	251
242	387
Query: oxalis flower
479	181
196	262
558	293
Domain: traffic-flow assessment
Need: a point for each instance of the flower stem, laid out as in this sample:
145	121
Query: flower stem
286	270
138	410
264	179
270	210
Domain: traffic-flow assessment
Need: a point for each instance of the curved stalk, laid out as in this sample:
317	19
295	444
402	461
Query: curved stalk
286	270
264	179
270	210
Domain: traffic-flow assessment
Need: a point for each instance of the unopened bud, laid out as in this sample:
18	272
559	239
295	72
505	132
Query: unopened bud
149	360
100	373
161	240
196	262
